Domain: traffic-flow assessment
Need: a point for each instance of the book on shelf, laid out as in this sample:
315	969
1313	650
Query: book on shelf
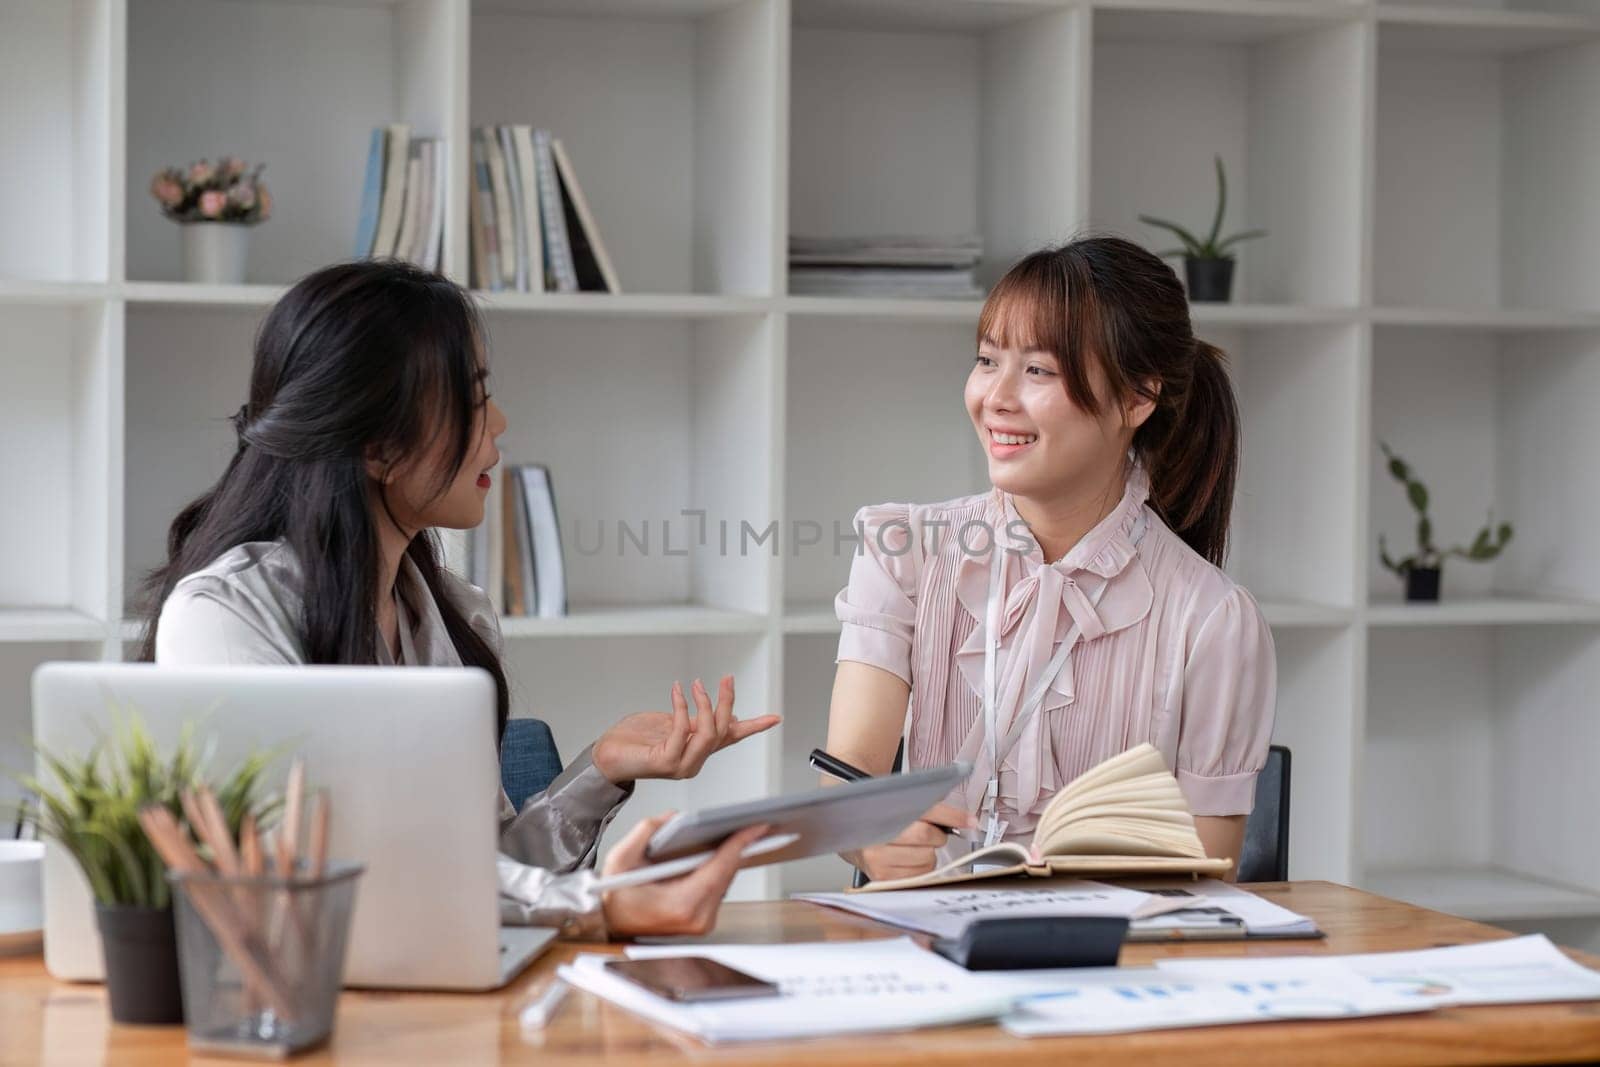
544	533
521	593
485	235
523	569
960	253
888	266
589	256
407	243
519	217
371	192
532	229
1123	816
506	236
392	199
528	191
558	246
403	198
433	238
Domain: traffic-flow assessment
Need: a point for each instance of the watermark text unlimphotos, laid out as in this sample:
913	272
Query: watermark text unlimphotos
694	530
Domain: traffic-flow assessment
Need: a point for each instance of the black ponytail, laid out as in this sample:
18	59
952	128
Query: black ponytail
1108	299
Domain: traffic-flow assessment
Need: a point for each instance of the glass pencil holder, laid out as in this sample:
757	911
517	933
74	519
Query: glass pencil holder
262	959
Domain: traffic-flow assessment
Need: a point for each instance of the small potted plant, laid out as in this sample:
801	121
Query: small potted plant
1421	571
91	809
216	204
1208	264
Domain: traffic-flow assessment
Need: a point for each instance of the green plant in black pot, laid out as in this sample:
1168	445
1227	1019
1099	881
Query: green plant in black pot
1207	264
1422	570
90	805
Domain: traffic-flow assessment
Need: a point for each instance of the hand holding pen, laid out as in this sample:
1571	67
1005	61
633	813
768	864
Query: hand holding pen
912	852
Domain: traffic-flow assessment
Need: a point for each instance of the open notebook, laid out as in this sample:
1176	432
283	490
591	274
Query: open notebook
1124	816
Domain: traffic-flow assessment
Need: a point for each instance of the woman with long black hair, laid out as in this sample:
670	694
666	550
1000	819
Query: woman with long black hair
368	424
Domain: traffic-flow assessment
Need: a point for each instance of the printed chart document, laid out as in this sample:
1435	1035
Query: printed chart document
834	987
1518	970
946	912
1328	991
1157	913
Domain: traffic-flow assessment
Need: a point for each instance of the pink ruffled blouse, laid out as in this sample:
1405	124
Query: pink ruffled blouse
1167	649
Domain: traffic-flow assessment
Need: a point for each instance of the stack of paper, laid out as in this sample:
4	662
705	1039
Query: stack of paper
885	266
835	987
849	987
946	912
1261	917
1518	970
1156	910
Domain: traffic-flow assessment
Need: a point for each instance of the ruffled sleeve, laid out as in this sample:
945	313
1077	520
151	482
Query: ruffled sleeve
1230	686
877	610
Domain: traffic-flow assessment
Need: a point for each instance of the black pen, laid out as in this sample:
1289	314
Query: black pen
845	772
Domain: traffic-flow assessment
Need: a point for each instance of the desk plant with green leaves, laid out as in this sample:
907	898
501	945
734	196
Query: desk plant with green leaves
1207	264
90	806
1421	571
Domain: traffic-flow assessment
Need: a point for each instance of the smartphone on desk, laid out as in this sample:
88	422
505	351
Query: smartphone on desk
688	979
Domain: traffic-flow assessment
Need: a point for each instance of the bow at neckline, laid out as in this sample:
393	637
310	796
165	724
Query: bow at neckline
1099	585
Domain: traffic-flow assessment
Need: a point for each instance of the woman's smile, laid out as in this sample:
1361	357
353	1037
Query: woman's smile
1004	444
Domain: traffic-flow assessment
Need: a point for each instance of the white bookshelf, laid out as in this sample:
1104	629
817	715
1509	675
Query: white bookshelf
1430	279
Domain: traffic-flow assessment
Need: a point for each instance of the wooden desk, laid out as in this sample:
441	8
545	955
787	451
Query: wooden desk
48	1023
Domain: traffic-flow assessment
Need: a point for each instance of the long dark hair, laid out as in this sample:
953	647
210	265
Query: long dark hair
358	359
1107	299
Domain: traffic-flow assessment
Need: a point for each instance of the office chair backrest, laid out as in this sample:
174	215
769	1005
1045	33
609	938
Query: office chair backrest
1265	855
529	761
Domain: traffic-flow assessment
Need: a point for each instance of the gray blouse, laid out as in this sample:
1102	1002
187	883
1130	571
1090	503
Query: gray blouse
245	609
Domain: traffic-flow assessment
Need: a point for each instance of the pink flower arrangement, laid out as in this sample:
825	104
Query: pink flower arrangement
228	190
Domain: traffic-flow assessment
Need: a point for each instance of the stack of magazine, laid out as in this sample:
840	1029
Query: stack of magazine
403	198
522	568
917	267
531	227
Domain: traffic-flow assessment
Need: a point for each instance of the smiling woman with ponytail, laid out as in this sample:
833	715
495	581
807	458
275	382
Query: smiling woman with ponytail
1112	438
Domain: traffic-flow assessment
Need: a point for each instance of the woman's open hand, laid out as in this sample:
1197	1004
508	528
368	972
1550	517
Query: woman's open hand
683	905
654	744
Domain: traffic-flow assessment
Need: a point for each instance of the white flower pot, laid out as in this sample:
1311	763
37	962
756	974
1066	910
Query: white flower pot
215	252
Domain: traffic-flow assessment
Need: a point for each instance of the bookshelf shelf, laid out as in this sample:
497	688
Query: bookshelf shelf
1289	613
641	305
180	294
1485	893
33	625
664	620
44	293
1498	610
949	16
1247	315
810	617
1214	21
1480	30
847	307
1486	318
1165	90
1428	740
1482	134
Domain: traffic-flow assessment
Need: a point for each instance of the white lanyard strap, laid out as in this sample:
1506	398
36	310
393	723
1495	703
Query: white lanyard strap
993	826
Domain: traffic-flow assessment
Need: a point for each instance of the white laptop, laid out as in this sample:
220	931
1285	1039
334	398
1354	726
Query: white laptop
408	757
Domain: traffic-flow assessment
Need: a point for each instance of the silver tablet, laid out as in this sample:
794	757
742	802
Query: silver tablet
831	819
